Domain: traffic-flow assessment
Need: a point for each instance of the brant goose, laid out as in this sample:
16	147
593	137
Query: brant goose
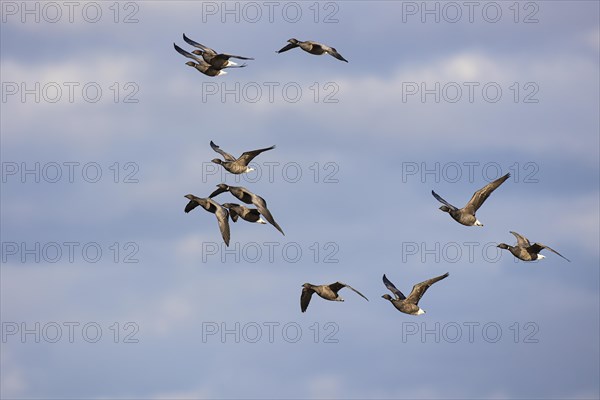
410	304
328	292
237	165
526	251
312	48
466	215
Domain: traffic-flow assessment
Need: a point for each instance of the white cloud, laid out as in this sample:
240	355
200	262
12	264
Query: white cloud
13	382
12	379
592	39
100	68
172	311
325	387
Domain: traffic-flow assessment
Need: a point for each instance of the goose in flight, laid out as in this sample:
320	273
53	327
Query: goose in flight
526	251
247	214
201	65
327	292
217	60
237	165
211	206
312	48
248	197
410	304
466	215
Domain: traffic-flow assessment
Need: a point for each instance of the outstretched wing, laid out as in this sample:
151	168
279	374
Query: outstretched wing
537	247
287	47
198	45
332	51
226	56
522	241
191	205
437	196
399	295
188	55
339	285
217	192
225	155
261	206
234	215
305	298
267	214
249	155
223	219
482	194
420	288
195	202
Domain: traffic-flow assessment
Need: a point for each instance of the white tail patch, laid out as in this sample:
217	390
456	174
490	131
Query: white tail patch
230	63
420	312
540	256
477	223
221	72
261	221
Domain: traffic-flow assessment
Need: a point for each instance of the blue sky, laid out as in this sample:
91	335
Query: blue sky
360	146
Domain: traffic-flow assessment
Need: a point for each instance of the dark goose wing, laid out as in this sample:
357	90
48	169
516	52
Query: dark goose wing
522	241
194	202
223	219
198	45
537	247
261	206
235	210
393	288
191	205
267	214
420	288
437	196
225	56
339	285
287	47
188	55
226	156
217	192
305	298
482	194
333	52
249	155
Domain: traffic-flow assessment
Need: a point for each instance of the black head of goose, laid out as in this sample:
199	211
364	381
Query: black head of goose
327	292
410	304
466	215
312	47
526	251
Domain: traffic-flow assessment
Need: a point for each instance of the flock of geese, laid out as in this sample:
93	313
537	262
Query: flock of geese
212	63
523	250
233	210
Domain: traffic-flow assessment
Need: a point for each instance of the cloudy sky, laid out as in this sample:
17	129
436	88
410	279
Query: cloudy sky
109	290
